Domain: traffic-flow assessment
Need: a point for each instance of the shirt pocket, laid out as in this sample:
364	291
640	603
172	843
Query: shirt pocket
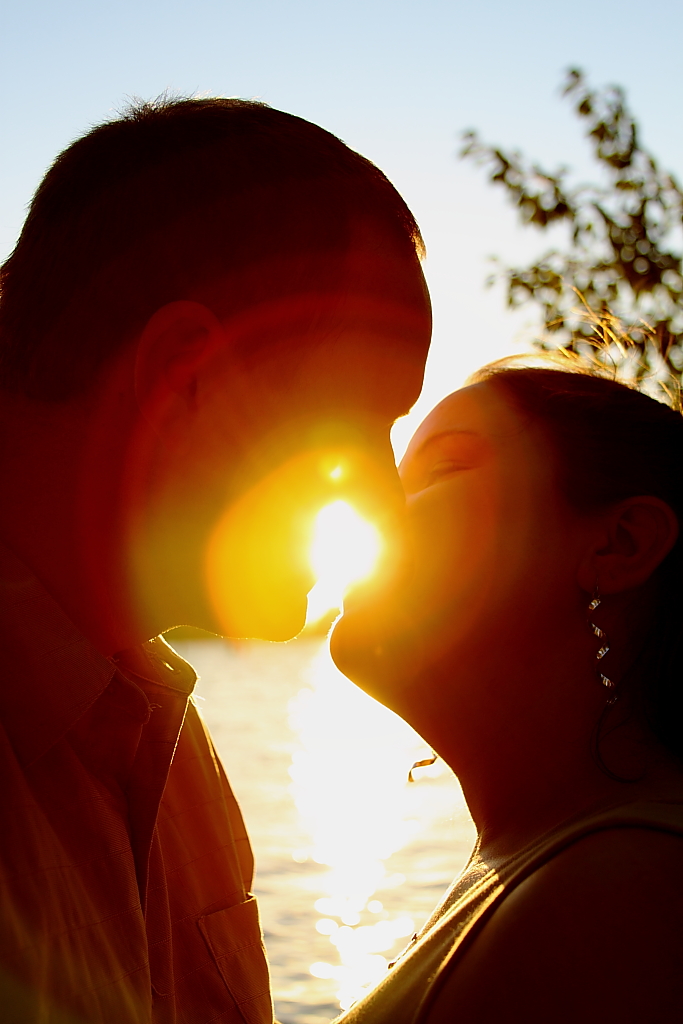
234	938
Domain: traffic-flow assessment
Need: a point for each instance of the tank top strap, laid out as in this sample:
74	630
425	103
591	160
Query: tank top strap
656	815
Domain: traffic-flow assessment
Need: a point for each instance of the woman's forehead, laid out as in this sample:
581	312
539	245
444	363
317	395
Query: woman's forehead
478	408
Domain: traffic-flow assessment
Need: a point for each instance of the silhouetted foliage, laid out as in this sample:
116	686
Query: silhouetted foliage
617	286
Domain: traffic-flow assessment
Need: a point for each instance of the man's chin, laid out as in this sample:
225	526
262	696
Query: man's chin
282	630
274	624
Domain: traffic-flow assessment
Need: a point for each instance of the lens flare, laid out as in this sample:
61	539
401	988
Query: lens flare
345	549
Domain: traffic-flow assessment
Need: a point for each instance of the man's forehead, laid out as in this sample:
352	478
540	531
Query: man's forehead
347	398
368	375
376	265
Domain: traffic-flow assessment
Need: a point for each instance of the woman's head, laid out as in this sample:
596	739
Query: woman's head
612	442
516	489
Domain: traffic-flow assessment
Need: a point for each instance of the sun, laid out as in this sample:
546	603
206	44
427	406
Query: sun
345	549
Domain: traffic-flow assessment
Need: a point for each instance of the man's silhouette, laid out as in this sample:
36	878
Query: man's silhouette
213	315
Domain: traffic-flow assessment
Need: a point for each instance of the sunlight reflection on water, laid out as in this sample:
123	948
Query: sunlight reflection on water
350	856
349	786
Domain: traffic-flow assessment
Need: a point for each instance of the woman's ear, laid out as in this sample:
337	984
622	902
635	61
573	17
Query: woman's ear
635	537
170	350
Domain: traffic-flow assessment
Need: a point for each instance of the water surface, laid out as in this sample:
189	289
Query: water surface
350	857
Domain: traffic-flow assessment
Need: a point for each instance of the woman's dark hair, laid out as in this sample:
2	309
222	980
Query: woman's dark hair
614	442
173	200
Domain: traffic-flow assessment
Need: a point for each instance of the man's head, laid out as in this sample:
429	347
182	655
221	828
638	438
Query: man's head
237	298
221	200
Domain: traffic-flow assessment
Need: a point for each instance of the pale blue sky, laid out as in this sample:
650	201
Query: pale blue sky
396	79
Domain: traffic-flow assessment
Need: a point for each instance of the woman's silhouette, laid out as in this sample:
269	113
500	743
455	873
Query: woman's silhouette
534	642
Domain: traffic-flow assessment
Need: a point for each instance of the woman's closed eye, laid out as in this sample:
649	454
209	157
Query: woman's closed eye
444	468
442	456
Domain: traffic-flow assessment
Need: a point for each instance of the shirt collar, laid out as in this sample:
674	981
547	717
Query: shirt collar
156	662
50	673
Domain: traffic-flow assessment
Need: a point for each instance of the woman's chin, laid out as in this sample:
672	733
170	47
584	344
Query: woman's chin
371	652
350	646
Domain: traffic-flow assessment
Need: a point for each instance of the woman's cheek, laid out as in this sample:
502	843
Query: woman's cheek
453	537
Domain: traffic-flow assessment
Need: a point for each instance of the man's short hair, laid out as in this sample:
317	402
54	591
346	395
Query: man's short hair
169	199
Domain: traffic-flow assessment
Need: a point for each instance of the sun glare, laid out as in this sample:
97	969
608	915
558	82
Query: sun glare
345	549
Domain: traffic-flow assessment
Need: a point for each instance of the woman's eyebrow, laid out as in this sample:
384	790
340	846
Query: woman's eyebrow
435	438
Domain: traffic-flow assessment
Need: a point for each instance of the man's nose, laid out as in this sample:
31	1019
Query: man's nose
379	498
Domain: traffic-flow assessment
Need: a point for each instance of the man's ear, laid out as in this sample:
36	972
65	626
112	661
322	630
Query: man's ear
635	536
174	343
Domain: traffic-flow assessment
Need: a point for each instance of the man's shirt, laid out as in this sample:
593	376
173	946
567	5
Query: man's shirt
125	868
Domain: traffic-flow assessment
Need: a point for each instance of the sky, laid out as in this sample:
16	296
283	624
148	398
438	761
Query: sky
397	80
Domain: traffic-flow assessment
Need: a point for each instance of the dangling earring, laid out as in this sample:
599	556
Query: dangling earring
608	683
422	764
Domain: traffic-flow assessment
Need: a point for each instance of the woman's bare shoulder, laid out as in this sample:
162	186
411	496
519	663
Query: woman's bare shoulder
595	935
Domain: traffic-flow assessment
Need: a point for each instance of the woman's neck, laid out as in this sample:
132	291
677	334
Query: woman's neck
540	757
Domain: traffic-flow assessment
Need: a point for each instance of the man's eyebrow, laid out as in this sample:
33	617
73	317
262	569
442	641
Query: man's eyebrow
454	431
